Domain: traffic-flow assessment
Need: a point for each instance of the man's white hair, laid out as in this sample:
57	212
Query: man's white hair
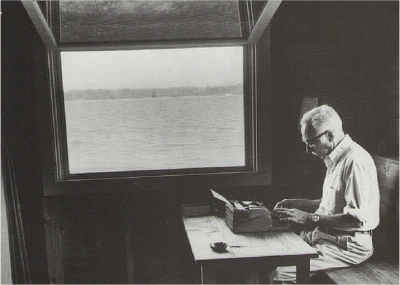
322	118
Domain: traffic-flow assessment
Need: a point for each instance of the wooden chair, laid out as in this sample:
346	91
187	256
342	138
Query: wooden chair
383	266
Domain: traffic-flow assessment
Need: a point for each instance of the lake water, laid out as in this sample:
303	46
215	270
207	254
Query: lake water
155	133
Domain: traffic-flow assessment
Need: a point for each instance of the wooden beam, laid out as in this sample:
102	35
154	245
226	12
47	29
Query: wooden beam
40	23
264	20
53	240
152	45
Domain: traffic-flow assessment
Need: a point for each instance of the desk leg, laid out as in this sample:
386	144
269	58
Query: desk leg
208	276
303	271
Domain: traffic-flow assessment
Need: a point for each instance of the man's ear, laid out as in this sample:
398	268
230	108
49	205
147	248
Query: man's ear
331	135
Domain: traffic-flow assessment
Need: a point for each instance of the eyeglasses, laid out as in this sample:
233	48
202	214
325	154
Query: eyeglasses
311	144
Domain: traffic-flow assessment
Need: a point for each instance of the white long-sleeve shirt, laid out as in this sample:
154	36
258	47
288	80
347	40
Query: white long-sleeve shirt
351	185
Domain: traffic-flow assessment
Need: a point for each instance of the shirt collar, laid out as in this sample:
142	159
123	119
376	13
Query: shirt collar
338	151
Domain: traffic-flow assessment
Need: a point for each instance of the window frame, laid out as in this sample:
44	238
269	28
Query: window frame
60	131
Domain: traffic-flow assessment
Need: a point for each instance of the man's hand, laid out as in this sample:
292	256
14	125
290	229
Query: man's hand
289	203
302	204
286	203
292	215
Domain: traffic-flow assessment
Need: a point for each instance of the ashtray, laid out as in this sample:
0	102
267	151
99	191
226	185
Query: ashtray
218	246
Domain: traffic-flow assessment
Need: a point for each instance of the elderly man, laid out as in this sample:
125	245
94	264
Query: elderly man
349	208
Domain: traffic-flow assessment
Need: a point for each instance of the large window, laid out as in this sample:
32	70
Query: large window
154	109
156	88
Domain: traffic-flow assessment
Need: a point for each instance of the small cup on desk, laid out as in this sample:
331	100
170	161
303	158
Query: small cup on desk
218	246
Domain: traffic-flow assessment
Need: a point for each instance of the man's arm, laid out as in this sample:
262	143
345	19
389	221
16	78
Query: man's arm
306	205
304	218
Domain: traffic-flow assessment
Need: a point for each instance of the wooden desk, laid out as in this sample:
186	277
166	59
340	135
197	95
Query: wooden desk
255	250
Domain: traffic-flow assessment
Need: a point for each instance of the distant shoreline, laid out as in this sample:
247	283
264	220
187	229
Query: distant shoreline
103	94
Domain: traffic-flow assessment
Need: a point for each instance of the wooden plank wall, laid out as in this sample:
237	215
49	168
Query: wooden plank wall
19	130
346	55
86	240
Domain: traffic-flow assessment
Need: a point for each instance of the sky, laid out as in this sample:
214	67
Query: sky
152	68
